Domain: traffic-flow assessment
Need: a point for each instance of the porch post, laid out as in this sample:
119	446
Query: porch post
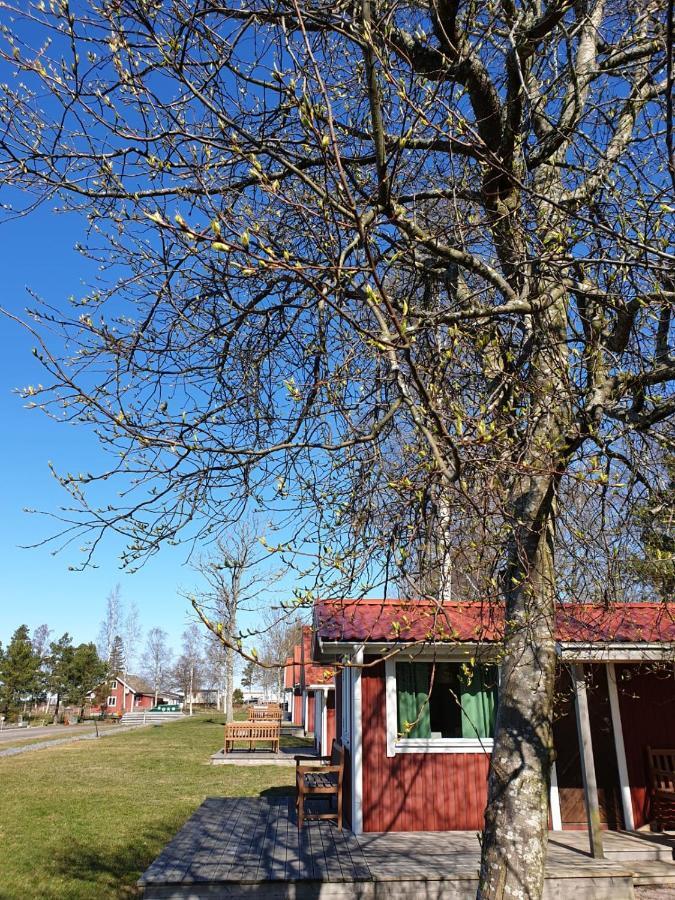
324	723
556	816
587	764
617	728
357	745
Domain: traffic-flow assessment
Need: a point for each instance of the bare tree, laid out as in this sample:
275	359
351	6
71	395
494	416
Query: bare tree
215	664
111	624
236	582
376	257
132	635
156	662
188	670
281	631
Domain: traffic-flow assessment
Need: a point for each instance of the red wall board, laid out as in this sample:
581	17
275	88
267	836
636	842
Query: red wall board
420	791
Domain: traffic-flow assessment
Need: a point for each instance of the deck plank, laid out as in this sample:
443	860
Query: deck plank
253	846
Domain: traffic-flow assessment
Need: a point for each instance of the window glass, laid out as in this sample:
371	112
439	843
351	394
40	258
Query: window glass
445	700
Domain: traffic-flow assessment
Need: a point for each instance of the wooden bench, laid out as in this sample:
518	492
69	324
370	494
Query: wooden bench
253	732
661	766
324	777
264	713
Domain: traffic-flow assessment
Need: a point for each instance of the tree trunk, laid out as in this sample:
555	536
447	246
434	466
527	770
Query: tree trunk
516	820
229	682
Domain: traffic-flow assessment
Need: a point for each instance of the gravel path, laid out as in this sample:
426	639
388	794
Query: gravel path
41	745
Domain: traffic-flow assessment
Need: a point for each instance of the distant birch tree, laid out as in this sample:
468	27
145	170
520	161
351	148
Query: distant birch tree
157	659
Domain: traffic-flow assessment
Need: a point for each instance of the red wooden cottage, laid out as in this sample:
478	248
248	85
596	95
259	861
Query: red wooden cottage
310	691
293	686
130	693
417	760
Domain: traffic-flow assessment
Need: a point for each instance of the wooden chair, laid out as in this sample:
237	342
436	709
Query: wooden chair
661	765
323	778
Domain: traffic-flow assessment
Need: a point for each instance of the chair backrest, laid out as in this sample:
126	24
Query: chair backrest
337	754
662	768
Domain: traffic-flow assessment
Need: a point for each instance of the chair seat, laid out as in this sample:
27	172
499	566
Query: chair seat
322	776
317	780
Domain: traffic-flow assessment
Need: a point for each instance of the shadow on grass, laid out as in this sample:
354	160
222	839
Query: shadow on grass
104	871
273	793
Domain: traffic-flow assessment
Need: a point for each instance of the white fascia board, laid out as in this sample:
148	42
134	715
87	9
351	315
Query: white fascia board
615	651
578	651
421	650
320	687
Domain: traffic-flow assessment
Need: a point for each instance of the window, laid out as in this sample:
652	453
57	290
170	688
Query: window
113	685
112	701
454	714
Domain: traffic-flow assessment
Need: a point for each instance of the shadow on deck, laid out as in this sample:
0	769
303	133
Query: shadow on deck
251	848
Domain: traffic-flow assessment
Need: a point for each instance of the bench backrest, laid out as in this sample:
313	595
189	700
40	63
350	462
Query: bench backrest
253	729
662	769
264	712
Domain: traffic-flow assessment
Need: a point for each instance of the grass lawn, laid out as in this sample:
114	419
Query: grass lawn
83	820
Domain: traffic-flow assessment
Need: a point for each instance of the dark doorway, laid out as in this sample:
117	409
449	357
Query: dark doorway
568	763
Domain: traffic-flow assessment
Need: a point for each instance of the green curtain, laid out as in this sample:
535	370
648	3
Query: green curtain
412	688
479	704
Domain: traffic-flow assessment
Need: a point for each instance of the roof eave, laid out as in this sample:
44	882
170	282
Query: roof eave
578	651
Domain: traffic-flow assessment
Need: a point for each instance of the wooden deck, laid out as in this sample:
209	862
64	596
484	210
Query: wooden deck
251	848
284	756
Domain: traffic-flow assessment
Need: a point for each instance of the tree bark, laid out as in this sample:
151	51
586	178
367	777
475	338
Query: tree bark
516	819
229	684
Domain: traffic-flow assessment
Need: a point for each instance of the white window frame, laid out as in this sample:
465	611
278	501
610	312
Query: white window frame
396	744
113	685
112	701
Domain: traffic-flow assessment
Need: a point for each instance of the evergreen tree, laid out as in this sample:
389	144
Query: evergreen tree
19	671
59	663
116	663
85	673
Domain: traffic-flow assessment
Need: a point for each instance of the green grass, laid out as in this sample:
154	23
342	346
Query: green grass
83	820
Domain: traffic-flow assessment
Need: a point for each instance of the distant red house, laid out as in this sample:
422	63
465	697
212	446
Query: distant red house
310	692
417	762
132	693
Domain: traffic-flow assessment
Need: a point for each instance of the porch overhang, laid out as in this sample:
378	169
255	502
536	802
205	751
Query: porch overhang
567	651
615	651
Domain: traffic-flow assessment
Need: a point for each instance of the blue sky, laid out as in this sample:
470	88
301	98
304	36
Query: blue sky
38	252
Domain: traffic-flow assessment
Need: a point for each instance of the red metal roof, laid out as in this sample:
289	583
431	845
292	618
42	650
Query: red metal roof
313	673
356	621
